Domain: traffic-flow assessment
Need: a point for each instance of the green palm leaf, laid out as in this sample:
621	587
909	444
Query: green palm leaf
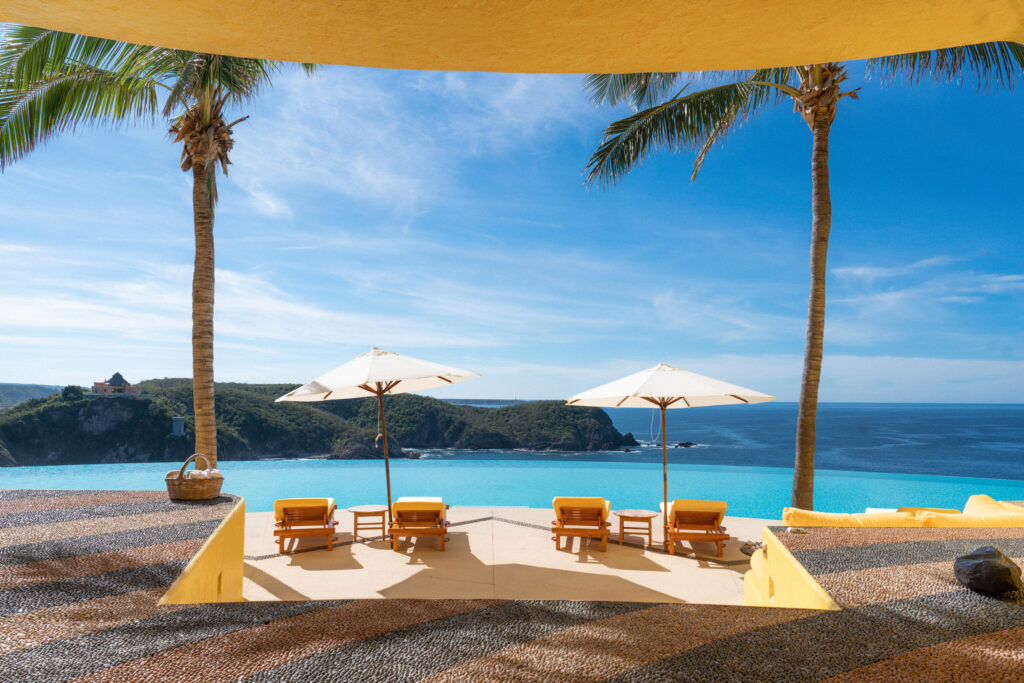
641	89
693	121
60	102
998	63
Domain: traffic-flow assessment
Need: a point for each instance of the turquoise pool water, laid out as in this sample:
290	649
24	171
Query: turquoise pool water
750	491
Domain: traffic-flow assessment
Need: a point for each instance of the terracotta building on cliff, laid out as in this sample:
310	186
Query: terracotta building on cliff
115	385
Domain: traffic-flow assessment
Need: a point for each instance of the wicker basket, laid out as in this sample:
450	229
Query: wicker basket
180	486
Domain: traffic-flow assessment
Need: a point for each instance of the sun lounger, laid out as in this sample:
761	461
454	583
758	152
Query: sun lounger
418	517
584	517
696	521
304	518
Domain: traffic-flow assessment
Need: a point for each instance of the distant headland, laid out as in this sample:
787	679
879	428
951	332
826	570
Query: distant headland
75	427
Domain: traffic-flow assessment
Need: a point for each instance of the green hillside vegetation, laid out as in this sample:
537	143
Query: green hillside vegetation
13	394
72	428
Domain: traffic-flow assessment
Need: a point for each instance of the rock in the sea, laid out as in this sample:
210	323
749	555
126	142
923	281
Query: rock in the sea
364	448
685	444
988	571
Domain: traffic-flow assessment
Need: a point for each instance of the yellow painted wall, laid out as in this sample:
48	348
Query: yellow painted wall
777	579
553	36
215	573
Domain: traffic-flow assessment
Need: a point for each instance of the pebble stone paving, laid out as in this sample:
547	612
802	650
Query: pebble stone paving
80	573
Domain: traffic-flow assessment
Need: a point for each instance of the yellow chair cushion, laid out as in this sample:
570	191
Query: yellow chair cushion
280	505
980	511
997	521
559	502
886	519
986	505
422	503
718	506
800	517
916	510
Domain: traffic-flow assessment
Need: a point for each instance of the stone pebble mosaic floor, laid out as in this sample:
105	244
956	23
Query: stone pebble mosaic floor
81	571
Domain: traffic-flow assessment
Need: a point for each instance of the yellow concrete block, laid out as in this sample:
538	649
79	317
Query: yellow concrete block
215	573
789	583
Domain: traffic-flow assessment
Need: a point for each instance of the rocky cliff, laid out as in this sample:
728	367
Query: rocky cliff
68	429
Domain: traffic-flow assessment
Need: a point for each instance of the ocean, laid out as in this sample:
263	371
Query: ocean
869	455
962	440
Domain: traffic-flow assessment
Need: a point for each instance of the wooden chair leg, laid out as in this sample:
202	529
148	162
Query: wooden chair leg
671	547
330	541
604	543
442	541
280	544
719	548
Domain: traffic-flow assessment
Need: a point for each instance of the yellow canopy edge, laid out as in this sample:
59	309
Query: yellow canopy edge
537	36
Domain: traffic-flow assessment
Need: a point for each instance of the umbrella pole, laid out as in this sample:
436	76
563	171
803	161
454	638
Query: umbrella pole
384	435
664	472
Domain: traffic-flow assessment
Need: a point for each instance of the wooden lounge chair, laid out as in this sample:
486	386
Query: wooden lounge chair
304	518
696	521
418	517
585	517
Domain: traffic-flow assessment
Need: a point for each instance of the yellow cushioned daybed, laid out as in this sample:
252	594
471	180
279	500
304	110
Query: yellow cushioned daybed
696	521
980	511
581	516
303	518
418	517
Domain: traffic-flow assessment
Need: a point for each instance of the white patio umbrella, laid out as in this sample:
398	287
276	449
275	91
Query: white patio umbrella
375	373
664	386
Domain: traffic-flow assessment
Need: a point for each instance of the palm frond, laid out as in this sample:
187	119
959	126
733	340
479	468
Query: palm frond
641	89
29	54
692	121
778	76
998	63
61	102
51	82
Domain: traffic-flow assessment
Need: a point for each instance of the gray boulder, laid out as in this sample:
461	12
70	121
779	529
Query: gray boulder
988	571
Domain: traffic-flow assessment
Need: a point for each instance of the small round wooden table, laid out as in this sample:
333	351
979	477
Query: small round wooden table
367	511
641	521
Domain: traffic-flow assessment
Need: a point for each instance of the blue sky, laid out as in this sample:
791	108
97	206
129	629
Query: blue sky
443	215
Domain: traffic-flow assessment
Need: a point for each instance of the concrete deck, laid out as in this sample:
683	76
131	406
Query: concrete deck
82	570
496	553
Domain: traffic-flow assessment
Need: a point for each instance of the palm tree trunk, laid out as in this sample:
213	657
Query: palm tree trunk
821	224
202	316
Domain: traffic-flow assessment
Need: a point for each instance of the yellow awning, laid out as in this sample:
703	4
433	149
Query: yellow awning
567	36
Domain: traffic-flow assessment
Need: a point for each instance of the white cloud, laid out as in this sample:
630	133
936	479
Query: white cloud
722	319
864	310
873	379
880	272
263	201
15	249
379	136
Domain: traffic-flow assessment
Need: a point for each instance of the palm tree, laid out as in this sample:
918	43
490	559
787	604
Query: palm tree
668	116
51	82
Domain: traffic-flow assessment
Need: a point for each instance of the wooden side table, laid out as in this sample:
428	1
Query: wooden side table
371	511
640	521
